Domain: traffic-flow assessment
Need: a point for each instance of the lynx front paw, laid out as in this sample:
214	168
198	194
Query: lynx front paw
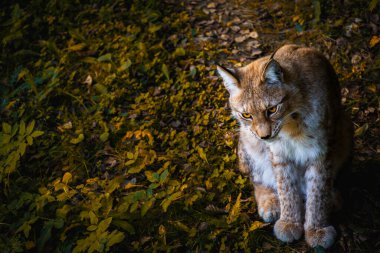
323	237
288	231
269	210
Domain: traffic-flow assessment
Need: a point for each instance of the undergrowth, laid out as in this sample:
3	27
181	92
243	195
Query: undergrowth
110	129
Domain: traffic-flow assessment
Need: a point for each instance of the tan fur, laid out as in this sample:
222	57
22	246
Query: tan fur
293	128
293	155
267	202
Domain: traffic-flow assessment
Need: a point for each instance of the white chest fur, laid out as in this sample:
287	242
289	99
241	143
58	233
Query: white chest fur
298	151
284	148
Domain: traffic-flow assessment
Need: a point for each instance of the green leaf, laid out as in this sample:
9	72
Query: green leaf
37	133
373	4
124	225
125	66
176	195
115	237
44	236
29	139
22	73
76	47
151	176
92	227
78	139
21	130
165	71
154	28
163	176
147	205
179	51
129	162
30	127
22	148
165	204
63	211
105	57
104	136
25	227
104	224
7	128
5	139
181	226
101	88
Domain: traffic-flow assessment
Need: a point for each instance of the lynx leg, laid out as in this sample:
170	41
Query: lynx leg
289	227
317	230
267	203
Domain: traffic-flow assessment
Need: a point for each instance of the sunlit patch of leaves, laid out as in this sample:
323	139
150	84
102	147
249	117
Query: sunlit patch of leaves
115	134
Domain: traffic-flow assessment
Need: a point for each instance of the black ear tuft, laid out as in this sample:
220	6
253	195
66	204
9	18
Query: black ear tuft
272	72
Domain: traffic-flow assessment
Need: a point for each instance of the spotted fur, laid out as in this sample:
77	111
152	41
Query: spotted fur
293	155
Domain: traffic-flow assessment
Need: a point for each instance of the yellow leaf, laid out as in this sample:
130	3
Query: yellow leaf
256	225
161	230
92	180
30	245
78	139
92	227
179	51
361	130
181	226
76	47
146	206
129	162
208	184
131	185
372	88
7	128
22	73
93	218
374	41
202	154
235	211
66	177
129	155
165	71
104	224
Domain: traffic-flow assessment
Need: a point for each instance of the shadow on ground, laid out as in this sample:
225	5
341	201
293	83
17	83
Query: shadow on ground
359	220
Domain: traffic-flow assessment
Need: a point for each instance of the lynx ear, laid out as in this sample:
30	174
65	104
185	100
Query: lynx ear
272	72
229	79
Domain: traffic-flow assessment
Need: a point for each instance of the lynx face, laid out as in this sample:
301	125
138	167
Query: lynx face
259	98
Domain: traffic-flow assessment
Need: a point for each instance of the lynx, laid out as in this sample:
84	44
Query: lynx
294	137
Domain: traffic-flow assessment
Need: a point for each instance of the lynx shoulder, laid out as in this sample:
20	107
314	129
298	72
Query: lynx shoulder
294	137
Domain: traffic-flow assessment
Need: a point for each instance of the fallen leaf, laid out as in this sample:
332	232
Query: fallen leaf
240	39
374	41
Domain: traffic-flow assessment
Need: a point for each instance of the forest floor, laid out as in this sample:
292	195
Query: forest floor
116	132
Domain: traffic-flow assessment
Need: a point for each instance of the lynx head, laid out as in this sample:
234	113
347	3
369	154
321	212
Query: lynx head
260	98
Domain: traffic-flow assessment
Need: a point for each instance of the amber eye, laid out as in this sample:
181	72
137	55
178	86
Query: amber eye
246	115
272	110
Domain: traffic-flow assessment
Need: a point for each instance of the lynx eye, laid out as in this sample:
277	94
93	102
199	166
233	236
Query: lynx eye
272	110
246	115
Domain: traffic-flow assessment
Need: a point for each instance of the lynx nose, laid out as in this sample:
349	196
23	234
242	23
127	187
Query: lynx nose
265	137
263	131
